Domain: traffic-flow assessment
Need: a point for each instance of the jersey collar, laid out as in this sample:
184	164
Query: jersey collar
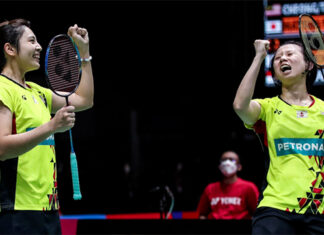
14	81
313	101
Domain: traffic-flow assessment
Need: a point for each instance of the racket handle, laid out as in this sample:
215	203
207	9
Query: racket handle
75	177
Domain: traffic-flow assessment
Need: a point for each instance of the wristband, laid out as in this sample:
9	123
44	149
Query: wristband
86	59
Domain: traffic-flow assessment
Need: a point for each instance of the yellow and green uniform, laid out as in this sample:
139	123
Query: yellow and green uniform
28	182
293	141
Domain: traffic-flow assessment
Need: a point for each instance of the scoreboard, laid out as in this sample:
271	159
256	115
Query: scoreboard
281	24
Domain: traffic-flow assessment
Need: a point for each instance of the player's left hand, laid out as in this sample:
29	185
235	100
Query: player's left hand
81	38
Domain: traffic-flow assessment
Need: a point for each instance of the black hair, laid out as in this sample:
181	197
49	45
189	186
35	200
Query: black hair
11	32
311	75
231	150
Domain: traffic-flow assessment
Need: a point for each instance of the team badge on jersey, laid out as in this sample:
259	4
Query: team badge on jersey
302	114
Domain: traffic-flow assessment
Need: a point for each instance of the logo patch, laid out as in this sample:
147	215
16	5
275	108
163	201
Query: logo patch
277	111
226	201
303	146
302	114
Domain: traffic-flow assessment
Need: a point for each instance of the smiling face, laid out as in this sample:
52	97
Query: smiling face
289	64
28	56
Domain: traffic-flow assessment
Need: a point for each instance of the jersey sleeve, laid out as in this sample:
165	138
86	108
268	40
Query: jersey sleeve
6	97
264	103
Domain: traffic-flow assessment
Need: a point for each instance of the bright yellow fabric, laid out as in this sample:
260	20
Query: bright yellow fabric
35	187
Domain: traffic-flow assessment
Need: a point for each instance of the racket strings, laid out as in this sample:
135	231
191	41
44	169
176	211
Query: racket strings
63	65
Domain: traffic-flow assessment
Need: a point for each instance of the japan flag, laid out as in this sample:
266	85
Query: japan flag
273	26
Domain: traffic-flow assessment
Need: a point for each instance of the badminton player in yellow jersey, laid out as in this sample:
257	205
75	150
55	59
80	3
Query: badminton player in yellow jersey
28	185
291	199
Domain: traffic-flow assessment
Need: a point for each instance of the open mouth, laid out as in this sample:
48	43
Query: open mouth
285	68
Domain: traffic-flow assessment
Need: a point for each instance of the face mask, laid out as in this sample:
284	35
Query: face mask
228	167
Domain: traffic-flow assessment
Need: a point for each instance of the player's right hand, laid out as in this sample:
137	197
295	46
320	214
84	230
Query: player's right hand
261	47
64	119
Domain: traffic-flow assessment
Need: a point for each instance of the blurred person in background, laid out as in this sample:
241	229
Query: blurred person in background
230	198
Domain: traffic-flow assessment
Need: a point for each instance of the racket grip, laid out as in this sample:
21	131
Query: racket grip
75	177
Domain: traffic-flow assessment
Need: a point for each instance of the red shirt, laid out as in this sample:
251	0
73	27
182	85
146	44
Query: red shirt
229	201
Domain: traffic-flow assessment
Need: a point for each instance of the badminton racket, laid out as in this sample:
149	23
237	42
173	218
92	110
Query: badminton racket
312	38
63	74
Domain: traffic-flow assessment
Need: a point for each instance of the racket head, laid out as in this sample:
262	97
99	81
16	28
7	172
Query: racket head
62	65
312	38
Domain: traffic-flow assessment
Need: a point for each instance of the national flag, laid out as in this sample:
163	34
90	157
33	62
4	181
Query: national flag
273	26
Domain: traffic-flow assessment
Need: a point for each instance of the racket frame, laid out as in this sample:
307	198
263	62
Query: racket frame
73	161
46	65
307	48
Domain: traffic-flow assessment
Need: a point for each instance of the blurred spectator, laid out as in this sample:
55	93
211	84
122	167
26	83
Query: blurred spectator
230	198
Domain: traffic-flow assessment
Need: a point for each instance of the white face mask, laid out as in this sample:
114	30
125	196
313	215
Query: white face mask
228	167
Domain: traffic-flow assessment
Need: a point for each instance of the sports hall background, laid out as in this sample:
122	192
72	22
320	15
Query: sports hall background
166	73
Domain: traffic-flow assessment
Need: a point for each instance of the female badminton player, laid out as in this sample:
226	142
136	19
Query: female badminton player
28	186
292	123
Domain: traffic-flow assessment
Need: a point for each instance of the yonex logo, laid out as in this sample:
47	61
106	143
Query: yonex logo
277	111
225	201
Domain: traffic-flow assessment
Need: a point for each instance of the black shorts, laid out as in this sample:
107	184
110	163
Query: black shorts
30	222
273	221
